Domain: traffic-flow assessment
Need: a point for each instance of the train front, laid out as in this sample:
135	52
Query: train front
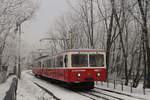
86	67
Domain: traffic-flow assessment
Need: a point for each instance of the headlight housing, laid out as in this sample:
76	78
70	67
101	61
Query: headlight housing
98	74
79	74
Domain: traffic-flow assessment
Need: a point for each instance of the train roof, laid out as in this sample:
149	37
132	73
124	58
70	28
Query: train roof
80	50
77	50
72	50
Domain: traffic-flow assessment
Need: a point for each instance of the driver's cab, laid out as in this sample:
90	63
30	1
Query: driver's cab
85	59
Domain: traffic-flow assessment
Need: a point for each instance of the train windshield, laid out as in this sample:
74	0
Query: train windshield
96	60
80	60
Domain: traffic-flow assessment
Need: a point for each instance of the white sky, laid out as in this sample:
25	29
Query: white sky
43	20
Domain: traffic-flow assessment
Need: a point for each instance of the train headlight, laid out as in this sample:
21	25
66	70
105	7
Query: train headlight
98	74
79	75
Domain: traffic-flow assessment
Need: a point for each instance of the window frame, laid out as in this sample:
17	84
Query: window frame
96	63
88	53
79	66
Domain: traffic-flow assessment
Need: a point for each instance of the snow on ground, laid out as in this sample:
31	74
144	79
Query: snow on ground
27	90
4	87
2	76
138	92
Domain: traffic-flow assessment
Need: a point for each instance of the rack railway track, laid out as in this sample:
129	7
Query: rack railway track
95	94
124	94
47	91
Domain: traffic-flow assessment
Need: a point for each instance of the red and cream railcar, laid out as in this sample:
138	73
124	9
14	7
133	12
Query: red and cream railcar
77	67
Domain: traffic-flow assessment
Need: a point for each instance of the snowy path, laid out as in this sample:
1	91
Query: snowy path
48	91
32	88
4	87
27	90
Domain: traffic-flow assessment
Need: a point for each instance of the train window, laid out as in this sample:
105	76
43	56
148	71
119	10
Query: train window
48	63
59	61
66	60
53	62
79	60
43	65
96	60
39	64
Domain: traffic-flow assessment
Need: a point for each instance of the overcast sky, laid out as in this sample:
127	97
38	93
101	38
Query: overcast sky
43	20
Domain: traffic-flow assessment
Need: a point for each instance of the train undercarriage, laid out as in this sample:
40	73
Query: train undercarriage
75	86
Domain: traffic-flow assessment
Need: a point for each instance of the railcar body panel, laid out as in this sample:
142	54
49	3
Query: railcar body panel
71	75
38	71
86	75
74	66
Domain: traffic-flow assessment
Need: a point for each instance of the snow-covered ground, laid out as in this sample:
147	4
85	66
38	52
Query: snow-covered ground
138	92
28	90
2	76
4	87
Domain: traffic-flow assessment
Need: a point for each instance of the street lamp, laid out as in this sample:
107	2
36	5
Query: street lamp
70	38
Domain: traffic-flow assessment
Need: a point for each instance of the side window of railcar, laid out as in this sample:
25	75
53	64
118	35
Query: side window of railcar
43	65
53	62
59	61
56	60
96	60
39	64
66	60
46	63
50	63
79	60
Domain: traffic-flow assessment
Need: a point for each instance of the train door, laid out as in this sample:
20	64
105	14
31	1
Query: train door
66	61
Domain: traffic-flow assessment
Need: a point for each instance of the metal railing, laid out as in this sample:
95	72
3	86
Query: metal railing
121	83
3	76
11	93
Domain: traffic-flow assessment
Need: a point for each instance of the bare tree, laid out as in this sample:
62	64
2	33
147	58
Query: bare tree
143	8
114	25
15	12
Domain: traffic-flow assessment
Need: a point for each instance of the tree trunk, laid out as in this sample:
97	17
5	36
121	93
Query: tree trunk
143	4
109	43
121	28
92	27
0	63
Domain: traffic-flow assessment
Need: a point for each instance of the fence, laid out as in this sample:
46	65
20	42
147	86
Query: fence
11	93
115	83
3	73
3	76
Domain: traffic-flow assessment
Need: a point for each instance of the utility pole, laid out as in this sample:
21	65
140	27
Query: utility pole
92	28
70	38
19	50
